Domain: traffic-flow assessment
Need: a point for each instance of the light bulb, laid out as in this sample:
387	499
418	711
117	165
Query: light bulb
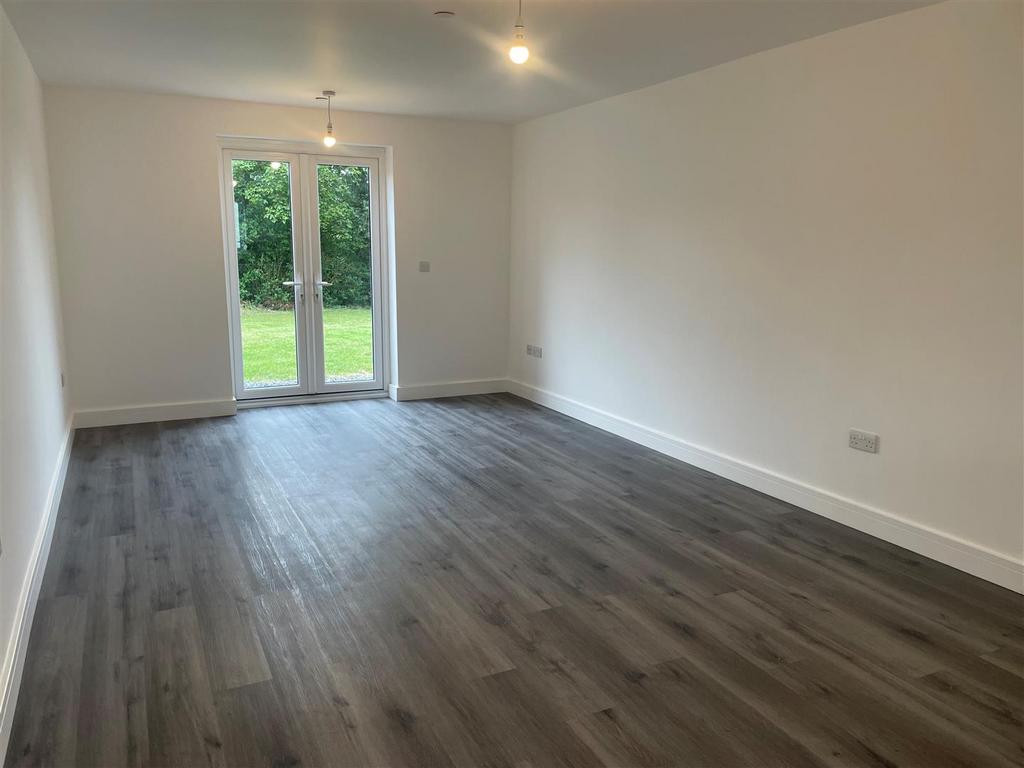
329	140
519	53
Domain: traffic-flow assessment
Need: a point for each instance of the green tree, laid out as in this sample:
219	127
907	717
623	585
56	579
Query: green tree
262	200
264	216
344	192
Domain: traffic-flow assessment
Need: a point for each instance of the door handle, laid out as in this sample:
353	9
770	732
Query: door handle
319	293
296	284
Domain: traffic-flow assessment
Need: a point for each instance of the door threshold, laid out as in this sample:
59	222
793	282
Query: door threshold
330	397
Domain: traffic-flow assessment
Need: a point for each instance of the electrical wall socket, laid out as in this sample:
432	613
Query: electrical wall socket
424	266
864	441
534	351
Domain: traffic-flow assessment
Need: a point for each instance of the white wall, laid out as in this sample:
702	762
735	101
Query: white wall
136	198
33	414
756	257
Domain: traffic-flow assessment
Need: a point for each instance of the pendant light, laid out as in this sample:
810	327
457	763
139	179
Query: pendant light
519	53
329	140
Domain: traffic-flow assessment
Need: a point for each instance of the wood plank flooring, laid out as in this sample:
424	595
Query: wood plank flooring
484	582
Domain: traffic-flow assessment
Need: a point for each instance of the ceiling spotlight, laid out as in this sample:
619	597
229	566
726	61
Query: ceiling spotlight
519	53
329	140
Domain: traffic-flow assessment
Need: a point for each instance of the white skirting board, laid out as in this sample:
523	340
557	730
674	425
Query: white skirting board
447	389
964	555
139	414
25	608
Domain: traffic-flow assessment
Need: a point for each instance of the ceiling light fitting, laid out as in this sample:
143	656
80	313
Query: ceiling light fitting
329	140
519	53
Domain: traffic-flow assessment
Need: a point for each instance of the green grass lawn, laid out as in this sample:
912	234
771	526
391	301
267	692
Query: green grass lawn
268	345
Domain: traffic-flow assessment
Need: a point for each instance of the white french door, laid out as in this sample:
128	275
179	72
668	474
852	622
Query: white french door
305	273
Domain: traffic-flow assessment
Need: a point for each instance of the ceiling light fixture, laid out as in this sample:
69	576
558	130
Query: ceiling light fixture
329	140
519	53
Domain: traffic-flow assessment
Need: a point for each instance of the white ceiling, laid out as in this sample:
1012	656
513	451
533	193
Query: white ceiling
395	56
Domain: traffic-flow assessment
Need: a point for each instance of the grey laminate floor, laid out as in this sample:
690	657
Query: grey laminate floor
481	581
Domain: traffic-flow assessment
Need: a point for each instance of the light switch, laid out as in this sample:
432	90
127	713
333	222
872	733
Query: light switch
424	266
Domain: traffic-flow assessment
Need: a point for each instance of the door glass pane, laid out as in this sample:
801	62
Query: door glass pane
263	237
345	263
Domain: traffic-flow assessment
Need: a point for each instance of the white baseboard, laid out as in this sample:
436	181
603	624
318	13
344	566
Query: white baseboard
964	555
25	608
140	414
448	389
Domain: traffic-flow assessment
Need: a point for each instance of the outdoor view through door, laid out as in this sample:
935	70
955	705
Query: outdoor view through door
305	267
343	196
263	237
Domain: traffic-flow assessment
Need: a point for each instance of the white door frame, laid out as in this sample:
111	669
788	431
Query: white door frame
316	271
299	250
304	156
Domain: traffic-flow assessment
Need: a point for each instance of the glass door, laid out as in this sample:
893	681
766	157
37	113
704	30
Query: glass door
268	275
344	245
305	271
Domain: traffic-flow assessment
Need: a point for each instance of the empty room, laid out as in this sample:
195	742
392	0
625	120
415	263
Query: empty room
512	383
